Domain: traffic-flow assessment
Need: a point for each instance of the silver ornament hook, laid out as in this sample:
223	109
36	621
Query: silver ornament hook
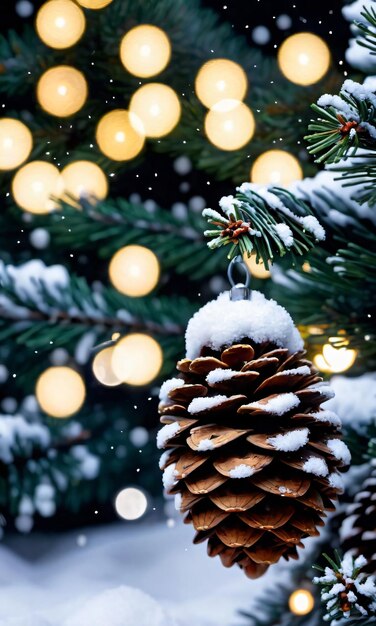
239	291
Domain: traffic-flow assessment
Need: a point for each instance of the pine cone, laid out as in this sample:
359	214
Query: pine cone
358	532
250	454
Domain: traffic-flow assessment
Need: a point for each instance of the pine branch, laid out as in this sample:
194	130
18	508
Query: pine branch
44	308
270	223
367	36
345	590
109	225
346	123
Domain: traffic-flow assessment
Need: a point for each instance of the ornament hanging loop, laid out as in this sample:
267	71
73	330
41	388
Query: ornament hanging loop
239	291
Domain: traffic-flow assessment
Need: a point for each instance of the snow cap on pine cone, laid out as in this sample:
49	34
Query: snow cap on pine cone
252	458
222	322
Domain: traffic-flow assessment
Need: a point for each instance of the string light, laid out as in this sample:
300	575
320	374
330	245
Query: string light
60	23
304	58
229	125
333	359
16	143
60	391
120	135
102	368
301	602
84	178
94	4
131	503
276	167
134	270
220	79
257	269
158	108
137	359
34	184
145	50
62	91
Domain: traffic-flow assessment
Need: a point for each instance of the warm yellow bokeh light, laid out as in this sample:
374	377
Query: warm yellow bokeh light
333	359
94	4
84	179
220	79
34	184
16	142
304	58
145	50
276	167
134	270
120	135
102	368
62	90
60	391
301	602
137	359
229	125
257	269
60	23
158	108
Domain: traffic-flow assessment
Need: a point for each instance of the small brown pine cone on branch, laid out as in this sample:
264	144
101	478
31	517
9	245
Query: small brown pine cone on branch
251	456
358	532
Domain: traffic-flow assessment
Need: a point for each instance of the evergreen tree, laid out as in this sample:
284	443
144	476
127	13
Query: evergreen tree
58	306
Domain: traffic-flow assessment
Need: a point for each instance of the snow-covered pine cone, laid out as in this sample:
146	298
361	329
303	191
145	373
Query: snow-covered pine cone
358	532
250	454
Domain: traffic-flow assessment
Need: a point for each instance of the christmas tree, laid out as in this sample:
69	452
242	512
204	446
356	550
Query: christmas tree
121	122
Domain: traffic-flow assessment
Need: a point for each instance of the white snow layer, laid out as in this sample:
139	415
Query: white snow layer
289	442
205	444
203	404
336	481
69	585
169	385
222	322
164	457
219	374
279	405
327	416
169	477
167	432
285	233
355	399
122	606
316	466
339	449
329	180
31	279
357	55
241	471
16	431
303	369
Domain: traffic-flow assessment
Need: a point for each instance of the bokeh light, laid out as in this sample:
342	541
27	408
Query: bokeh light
304	58
145	50
134	270
137	359
62	91
60	391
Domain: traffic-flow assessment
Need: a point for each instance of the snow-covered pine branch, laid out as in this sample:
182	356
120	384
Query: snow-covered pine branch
269	222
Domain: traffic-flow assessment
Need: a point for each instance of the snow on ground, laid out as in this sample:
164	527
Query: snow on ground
48	580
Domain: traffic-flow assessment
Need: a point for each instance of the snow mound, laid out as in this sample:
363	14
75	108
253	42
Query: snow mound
222	322
355	400
122	606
